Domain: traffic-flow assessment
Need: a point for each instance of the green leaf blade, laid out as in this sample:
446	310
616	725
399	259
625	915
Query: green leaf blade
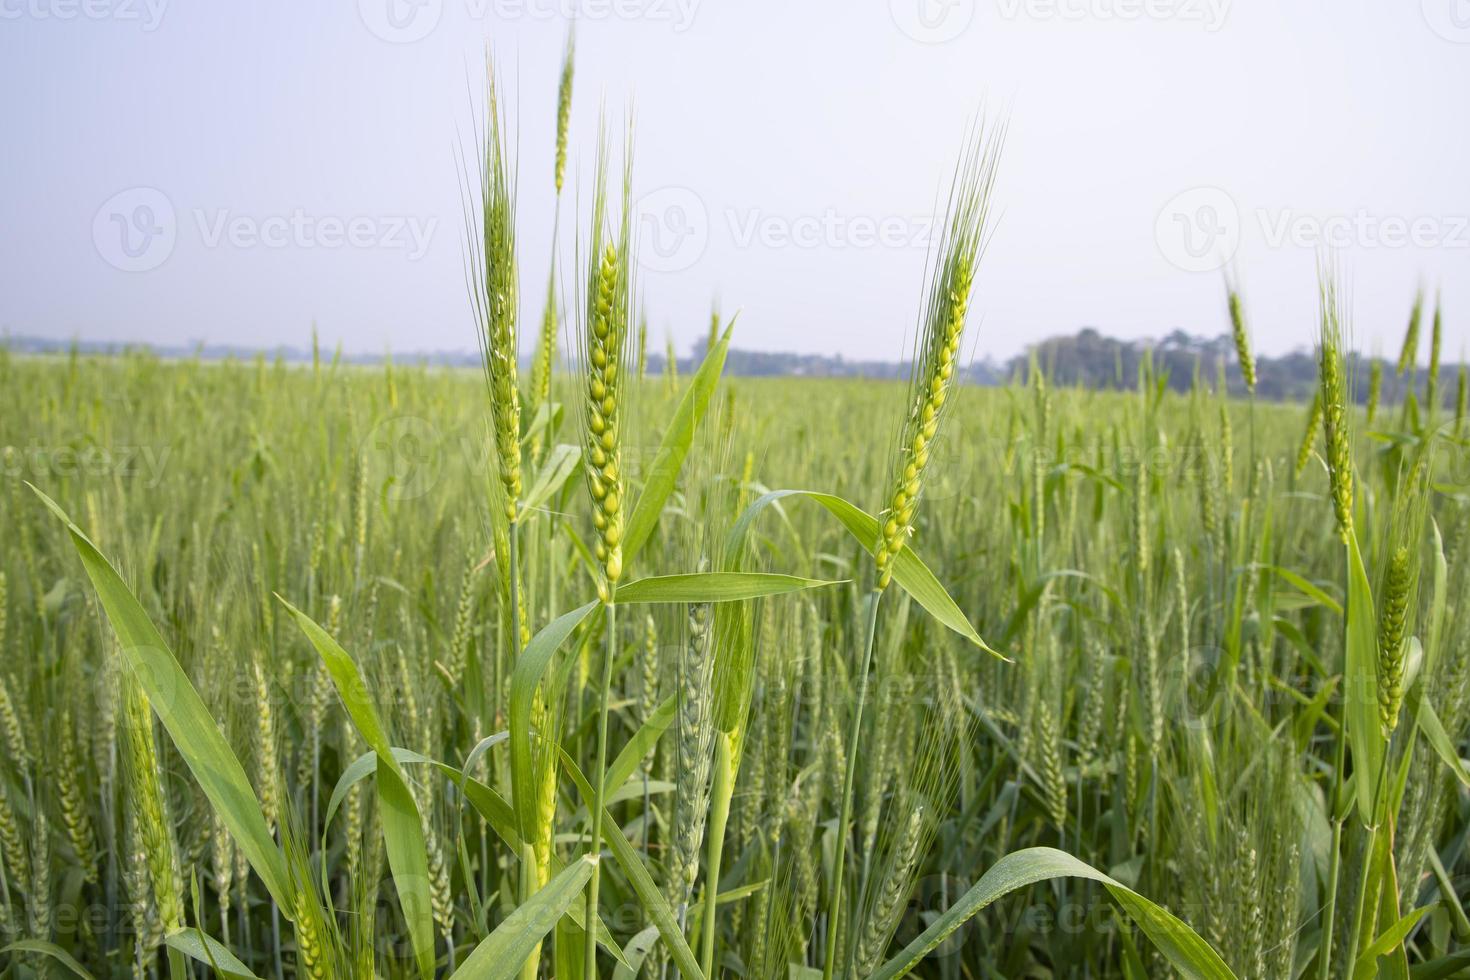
185	717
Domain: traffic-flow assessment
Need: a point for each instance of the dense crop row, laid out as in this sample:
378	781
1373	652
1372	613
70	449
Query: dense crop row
341	672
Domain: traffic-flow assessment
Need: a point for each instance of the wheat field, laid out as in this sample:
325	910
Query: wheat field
331	671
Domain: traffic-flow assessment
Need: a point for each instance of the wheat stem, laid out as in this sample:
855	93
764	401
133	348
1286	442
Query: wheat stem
845	814
726	756
599	788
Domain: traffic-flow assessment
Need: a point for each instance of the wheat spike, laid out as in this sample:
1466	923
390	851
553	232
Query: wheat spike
1391	629
1410	352
1241	338
605	361
1436	339
892	892
1335	420
493	293
564	106
938	346
1375	389
12	844
75	816
1309	433
151	811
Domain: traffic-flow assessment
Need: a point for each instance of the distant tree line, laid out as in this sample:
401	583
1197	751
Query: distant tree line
1091	360
1087	359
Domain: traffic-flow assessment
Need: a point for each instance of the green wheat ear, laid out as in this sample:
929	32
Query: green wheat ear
1375	389
1391	624
1462	395
491	259
938	344
1399	587
1410	351
564	106
1436	338
1333	399
605	356
1241	338
1309	433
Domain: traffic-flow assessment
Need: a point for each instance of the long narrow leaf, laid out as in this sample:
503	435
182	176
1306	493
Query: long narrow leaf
1360	679
641	744
184	716
1185	950
909	571
501	954
649	895
49	949
664	473
209	951
560	465
530	667
1440	741
403	830
714	587
1392	938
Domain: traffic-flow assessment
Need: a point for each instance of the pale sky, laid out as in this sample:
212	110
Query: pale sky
177	170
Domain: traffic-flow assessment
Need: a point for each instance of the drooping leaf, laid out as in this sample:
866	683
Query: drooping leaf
212	953
909	571
500	955
637	951
1392	938
650	896
641	744
1314	592
52	950
361	768
530	667
1440	741
559	466
403	830
659	481
186	719
1185	950
1360	682
713	587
